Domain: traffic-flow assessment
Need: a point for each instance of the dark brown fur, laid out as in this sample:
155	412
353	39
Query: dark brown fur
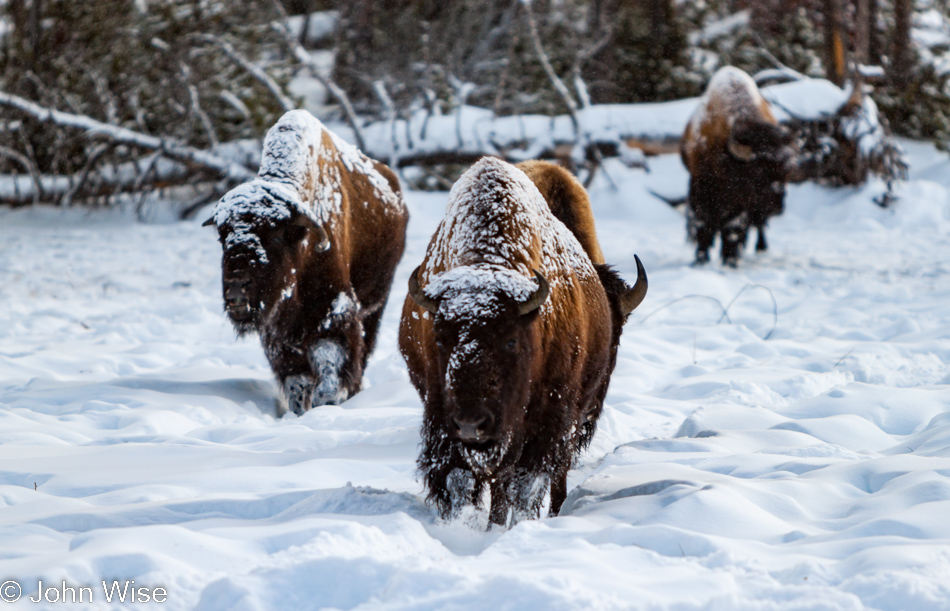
317	312
729	194
536	381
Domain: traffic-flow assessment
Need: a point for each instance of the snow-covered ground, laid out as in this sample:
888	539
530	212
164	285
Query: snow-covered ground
793	454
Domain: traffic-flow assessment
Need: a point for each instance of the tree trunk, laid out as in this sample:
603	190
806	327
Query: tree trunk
835	61
862	31
874	35
901	53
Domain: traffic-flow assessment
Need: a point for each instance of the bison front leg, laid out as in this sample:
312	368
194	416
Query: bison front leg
704	234
733	239
559	487
336	374
296	393
760	243
296	383
500	501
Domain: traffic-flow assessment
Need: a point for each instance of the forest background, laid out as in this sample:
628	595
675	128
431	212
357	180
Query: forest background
157	94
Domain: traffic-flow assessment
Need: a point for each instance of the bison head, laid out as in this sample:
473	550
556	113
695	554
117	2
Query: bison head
768	144
485	343
266	234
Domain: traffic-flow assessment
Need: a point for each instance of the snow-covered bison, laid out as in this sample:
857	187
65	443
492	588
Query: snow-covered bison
310	248
509	335
739	159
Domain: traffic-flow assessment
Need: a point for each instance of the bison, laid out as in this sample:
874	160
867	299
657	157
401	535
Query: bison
510	337
310	248
739	159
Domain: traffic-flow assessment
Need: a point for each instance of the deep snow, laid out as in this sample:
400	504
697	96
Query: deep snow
808	471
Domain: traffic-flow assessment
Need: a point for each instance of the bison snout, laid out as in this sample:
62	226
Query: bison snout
235	294
473	429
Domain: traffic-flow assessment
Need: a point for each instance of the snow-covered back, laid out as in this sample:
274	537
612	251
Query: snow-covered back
809	471
299	174
497	230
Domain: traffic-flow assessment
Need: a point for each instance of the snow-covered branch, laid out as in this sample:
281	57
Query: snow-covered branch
97	129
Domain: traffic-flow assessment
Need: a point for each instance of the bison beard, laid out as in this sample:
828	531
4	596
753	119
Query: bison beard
739	159
510	338
310	249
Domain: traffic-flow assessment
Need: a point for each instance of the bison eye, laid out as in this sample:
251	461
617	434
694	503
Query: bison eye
511	344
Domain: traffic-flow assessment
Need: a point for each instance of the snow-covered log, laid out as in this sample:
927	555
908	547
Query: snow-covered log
153	171
471	132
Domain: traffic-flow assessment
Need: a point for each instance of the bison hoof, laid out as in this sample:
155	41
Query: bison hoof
298	393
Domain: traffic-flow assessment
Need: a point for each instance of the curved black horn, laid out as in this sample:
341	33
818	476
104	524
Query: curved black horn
322	241
209	222
537	298
633	296
743	152
418	295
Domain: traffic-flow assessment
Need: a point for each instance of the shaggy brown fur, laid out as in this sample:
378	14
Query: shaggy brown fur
738	158
509	381
568	201
315	292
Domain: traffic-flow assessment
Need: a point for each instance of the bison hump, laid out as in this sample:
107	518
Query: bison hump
496	216
300	151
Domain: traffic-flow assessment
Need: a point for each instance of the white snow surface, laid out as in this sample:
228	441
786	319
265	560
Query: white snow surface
807	471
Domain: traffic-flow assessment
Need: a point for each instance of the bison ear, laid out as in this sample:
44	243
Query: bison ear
322	241
209	222
418	295
537	298
632	297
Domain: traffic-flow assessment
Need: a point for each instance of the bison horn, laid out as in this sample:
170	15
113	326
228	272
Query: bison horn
740	151
209	222
417	294
632	297
322	243
537	298
323	240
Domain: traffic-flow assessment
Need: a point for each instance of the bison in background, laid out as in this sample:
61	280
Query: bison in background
509	336
739	159
310	248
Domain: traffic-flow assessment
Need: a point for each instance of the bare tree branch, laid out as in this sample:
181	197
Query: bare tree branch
122	135
29	166
67	198
556	81
304	58
248	66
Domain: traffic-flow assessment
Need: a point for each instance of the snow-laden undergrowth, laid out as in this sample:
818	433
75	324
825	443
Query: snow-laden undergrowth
809	470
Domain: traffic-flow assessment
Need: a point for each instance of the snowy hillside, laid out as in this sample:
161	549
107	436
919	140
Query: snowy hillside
792	454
